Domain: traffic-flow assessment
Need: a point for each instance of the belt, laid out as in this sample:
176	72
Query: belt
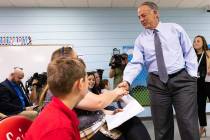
173	74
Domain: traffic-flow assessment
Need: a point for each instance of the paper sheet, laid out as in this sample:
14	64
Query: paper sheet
130	110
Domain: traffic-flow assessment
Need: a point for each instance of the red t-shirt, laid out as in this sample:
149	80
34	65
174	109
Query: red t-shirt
55	122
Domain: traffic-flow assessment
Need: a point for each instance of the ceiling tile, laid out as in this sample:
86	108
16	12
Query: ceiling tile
24	3
123	3
204	4
50	3
188	3
168	3
5	3
99	3
75	3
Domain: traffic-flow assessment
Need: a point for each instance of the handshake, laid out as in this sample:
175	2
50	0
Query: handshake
122	89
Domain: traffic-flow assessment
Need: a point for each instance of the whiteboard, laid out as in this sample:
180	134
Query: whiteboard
31	58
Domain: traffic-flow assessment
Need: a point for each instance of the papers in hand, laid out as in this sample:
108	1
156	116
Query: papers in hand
131	109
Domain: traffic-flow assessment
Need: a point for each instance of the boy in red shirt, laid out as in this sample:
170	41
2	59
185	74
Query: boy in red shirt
67	81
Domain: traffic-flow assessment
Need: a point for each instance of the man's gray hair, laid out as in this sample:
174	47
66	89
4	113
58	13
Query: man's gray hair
152	5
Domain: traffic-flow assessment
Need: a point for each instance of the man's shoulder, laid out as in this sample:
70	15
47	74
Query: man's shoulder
171	25
4	82
4	85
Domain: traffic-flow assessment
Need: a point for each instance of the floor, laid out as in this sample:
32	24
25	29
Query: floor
150	128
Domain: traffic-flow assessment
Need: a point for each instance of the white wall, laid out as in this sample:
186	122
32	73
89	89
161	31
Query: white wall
94	32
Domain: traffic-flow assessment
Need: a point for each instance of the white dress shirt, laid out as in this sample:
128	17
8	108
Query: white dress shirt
177	50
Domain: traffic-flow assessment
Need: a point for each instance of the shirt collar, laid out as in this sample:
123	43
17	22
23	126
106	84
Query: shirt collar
150	31
159	26
70	113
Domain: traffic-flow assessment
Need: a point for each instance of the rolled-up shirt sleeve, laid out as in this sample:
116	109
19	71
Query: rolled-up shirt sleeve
134	67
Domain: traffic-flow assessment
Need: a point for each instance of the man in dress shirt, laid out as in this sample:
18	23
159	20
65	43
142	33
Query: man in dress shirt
178	90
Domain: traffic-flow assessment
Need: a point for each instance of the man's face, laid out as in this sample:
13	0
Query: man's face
148	17
17	77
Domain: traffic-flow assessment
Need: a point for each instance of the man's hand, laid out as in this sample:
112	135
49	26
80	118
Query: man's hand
124	84
117	111
120	92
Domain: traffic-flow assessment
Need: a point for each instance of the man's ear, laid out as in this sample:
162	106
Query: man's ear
157	13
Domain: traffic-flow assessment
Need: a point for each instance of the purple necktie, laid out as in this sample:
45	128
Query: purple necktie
162	72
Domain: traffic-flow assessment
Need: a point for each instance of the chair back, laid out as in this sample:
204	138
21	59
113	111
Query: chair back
14	127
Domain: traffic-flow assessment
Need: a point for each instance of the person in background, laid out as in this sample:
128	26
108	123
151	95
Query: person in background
104	85
36	85
67	81
96	89
116	72
167	52
13	99
91	81
203	90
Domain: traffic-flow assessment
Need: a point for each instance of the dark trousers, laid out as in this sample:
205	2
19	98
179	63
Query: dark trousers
179	92
203	93
132	129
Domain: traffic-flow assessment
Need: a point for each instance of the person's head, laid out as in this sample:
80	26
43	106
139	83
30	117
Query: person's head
97	77
200	44
105	84
91	80
66	75
124	58
16	75
65	51
148	14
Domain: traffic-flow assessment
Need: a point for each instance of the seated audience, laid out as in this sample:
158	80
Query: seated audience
13	99
67	81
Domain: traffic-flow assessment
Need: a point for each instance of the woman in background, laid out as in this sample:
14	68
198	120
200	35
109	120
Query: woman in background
97	89
203	86
91	81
